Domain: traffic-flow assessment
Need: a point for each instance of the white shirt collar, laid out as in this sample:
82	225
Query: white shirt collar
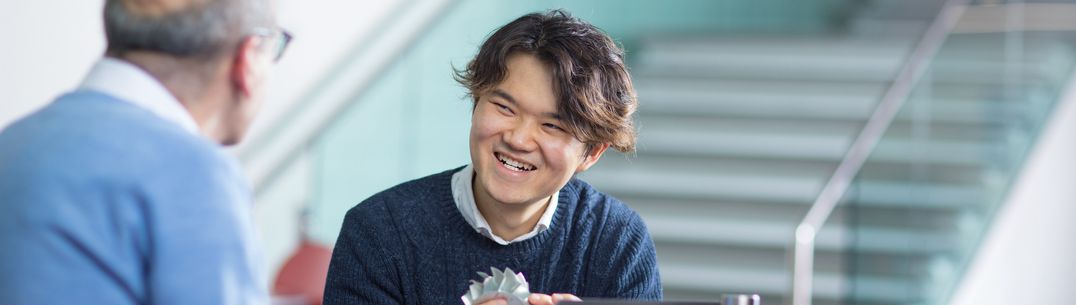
131	84
463	192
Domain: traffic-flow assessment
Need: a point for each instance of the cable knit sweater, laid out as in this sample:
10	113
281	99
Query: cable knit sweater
410	245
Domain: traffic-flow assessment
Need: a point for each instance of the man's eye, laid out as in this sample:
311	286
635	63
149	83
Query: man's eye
554	127
502	107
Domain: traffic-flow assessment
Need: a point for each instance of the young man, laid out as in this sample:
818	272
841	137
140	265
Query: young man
551	93
119	192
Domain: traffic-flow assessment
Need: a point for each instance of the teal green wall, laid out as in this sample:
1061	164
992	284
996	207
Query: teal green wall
414	121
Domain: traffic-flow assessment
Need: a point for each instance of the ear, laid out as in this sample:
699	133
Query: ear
592	157
245	72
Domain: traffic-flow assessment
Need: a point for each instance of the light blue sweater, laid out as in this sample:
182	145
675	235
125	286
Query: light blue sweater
102	202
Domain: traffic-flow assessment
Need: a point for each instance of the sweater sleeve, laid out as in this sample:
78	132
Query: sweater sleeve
362	270
628	260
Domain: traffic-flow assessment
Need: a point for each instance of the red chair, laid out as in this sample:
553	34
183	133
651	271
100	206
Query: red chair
302	278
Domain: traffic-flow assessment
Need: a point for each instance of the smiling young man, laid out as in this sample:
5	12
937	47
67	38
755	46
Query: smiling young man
551	93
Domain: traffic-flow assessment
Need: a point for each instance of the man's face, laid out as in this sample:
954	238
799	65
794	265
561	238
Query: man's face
521	151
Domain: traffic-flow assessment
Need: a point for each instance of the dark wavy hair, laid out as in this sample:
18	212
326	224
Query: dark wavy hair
595	97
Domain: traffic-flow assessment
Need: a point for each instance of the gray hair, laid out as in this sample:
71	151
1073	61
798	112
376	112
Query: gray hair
203	29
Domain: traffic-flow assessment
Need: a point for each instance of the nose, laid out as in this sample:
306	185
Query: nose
521	136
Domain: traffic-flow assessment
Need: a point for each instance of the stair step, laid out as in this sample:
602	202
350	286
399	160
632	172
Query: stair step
702	181
685	228
801	100
827	286
776	185
710	278
964	59
844	215
909	29
900	9
791	49
982	47
918	195
734	138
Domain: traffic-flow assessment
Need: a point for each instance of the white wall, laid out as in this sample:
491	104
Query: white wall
46	51
1029	255
51	44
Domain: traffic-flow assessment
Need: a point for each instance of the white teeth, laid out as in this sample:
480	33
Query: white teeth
514	165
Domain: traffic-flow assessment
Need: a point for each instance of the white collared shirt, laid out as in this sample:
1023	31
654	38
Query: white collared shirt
131	84
463	192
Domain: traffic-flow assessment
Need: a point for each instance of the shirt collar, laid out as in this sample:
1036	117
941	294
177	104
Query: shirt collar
463	193
131	84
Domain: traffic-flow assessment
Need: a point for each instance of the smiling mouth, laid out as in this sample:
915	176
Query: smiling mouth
513	164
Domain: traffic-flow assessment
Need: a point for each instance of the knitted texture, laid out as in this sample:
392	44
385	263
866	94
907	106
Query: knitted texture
410	245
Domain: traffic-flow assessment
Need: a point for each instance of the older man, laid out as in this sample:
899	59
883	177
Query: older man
118	192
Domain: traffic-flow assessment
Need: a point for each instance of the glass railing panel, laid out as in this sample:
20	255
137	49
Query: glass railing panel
930	188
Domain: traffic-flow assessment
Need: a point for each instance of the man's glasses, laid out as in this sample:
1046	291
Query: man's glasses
278	39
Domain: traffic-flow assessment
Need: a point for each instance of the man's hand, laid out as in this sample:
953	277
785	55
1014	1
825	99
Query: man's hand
545	299
538	299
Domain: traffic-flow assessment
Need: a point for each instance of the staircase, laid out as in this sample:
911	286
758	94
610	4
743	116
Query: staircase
738	135
736	138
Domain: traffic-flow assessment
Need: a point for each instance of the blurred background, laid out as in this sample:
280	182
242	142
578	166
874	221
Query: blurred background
922	149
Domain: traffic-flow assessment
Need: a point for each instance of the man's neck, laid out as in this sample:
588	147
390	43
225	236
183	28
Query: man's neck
509	221
190	83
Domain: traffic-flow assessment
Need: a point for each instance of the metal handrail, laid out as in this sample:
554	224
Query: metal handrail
269	153
803	243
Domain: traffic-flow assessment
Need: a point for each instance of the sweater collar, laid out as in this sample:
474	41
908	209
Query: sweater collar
463	194
129	83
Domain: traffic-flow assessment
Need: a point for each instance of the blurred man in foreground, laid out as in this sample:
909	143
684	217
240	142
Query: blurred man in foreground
119	192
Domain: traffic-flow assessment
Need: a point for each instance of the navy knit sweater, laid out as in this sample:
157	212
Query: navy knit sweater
410	245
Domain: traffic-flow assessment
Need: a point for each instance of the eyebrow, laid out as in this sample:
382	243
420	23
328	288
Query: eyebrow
508	97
